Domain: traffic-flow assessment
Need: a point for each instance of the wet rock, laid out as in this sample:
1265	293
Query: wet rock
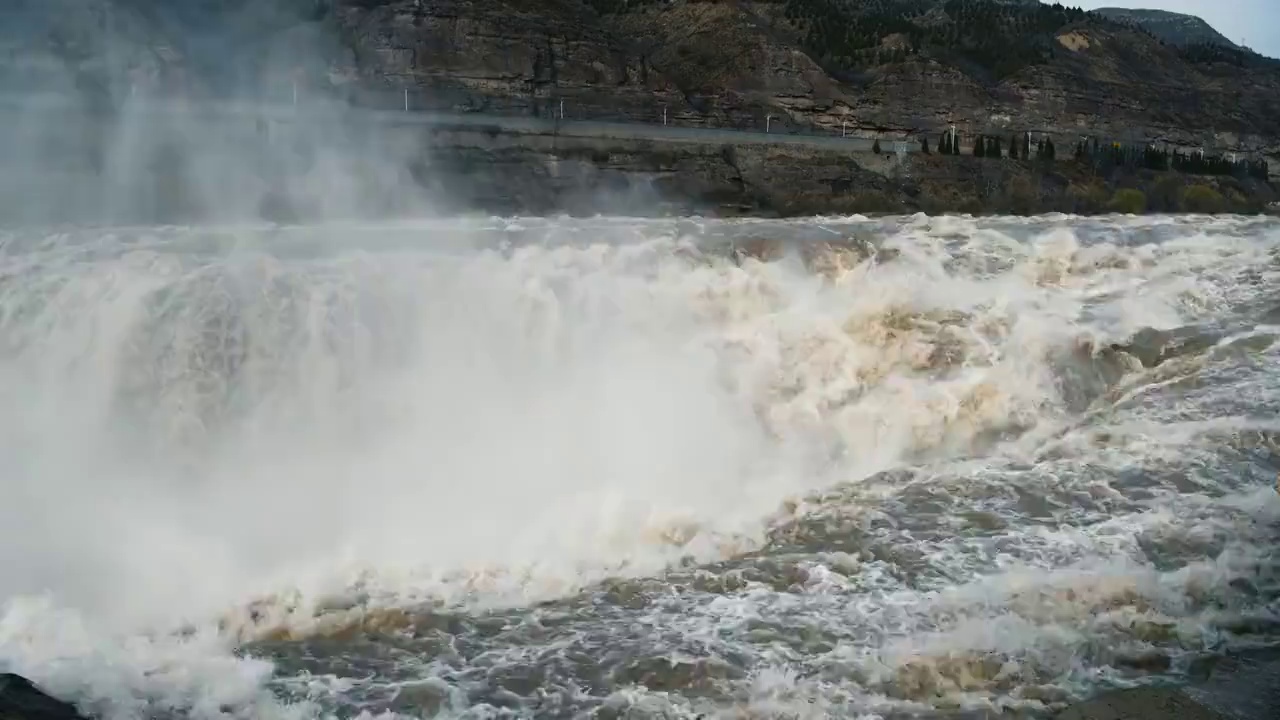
1140	704
835	257
1153	631
662	674
1252	625
1154	661
1034	504
1147	345
1046	694
758	248
20	699
632	595
1153	347
1245	587
936	680
780	575
984	520
1169	552
1240	687
1263	442
831	533
498	698
723	581
424	699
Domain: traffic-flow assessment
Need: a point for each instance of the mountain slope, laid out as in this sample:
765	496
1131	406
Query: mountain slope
1176	28
869	67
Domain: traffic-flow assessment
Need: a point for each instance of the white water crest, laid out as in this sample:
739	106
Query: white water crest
215	436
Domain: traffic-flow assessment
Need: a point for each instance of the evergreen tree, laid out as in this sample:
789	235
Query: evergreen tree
924	145
944	145
1040	149
875	146
1013	147
979	146
955	144
1051	152
997	149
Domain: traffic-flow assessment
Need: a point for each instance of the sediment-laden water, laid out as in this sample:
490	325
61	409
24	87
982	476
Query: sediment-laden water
636	468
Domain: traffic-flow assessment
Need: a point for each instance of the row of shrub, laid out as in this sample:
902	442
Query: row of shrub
1155	158
1195	199
1023	196
1102	156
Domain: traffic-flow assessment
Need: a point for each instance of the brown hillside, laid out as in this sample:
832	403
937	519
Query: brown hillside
874	66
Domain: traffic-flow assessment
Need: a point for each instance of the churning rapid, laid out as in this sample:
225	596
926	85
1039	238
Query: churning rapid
640	468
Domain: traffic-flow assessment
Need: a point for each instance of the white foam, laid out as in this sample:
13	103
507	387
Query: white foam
430	419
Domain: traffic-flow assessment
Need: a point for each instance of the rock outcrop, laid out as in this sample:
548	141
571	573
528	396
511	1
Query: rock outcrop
1238	687
704	63
1141	704
734	63
637	176
20	699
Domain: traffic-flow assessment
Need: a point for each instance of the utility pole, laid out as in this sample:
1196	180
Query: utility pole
406	99
768	122
664	115
562	108
843	124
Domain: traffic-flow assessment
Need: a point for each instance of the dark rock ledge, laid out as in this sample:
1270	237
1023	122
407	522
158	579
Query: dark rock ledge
1239	687
20	699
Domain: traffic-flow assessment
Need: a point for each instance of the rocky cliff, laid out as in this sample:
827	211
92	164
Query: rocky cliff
732	63
890	67
883	68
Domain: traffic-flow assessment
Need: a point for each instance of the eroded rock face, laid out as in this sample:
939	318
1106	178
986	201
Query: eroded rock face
730	64
20	699
698	63
704	64
629	177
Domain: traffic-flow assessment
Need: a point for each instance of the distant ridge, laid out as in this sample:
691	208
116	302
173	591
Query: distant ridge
1175	28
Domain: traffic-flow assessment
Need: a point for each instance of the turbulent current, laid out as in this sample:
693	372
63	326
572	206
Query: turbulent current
834	467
